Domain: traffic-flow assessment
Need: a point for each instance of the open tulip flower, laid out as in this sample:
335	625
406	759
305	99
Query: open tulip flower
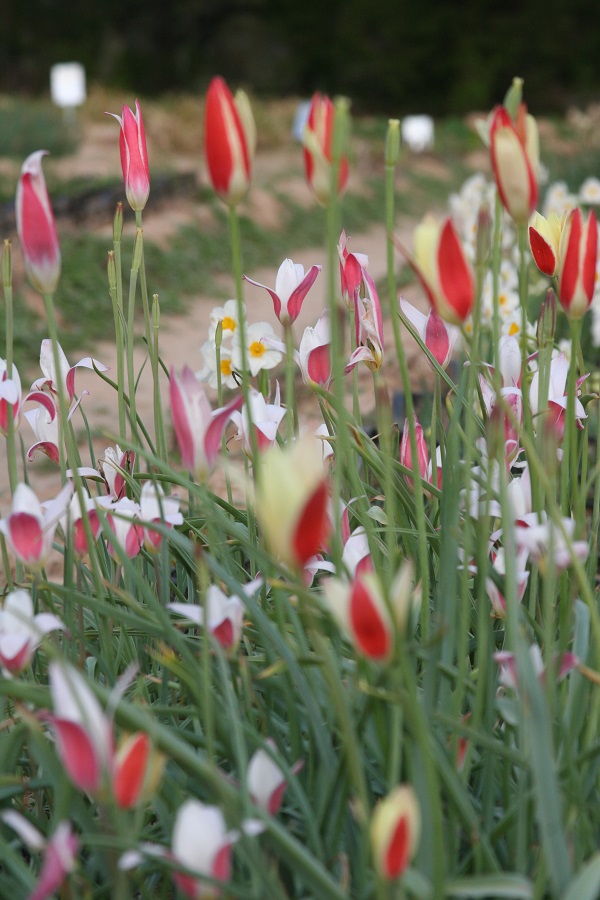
265	418
291	287
50	378
126	528
29	527
229	140
514	149
395	832
198	428
438	336
60	852
21	631
555	407
36	226
441	266
157	509
134	157
11	398
115	464
318	149
292	501
221	614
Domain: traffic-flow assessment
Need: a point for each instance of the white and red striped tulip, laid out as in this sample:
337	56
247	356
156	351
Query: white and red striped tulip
318	150
134	157
29	527
221	614
441	266
229	141
202	844
36	226
395	832
11	397
496	594
360	608
60	852
265	418
67	372
124	518
544	241
291	287
116	462
136	770
292	501
550	544
514	150
198	428
21	631
507	664
438	336
555	405
356	555
75	520
265	780
314	354
156	508
424	465
578	257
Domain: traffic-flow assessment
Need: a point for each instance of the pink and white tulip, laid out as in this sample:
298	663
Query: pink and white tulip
369	328
507	663
496	594
60	852
551	544
314	354
438	336
11	398
156	508
21	631
67	372
29	527
115	465
265	418
134	157
555	408
351	271
221	614
291	287
318	150
265	780
124	518
36	226
202	844
198	428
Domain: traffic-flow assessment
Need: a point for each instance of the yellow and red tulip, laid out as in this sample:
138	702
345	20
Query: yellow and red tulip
395	832
514	150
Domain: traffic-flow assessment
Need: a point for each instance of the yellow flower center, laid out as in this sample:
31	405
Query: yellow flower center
502	299
228	323
257	348
514	329
226	367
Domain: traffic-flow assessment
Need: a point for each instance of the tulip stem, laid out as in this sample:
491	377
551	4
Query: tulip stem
130	367
290	391
119	321
11	450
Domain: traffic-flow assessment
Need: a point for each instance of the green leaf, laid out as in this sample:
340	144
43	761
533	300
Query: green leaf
508	885
586	884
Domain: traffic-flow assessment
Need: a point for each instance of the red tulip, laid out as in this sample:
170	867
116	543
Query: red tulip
577	263
36	226
230	139
395	831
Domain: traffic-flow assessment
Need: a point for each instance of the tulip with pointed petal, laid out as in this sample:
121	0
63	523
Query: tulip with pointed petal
291	287
157	509
314	354
36	226
265	418
60	852
21	631
222	614
369	328
514	149
134	157
29	527
436	334
202	844
265	780
440	263
230	141
67	372
198	428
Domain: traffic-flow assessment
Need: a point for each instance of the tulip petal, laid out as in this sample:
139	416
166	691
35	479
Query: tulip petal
313	525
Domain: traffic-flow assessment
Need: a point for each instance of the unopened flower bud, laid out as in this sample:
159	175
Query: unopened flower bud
514	97
155	311
118	223
7	265
392	142
111	268
138	250
483	239
547	320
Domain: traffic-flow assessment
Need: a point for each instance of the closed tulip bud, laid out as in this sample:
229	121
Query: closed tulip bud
36	226
360	608
230	141
318	149
292	501
134	157
578	255
392	142
118	223
514	149
137	770
111	270
7	265
544	241
395	832
441	265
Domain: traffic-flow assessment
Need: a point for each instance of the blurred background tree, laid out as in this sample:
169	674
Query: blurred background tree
394	55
